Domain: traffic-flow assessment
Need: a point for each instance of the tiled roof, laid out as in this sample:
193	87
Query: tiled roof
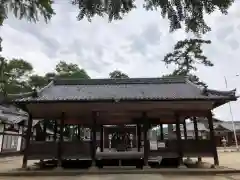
190	127
125	89
227	125
12	115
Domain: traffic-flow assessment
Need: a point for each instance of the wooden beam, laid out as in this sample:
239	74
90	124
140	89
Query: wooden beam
139	137
196	133
214	148
101	138
55	130
27	141
162	133
179	138
72	109
184	129
145	136
94	120
60	142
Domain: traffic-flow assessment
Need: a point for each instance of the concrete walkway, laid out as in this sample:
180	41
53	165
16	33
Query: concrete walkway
129	177
228	159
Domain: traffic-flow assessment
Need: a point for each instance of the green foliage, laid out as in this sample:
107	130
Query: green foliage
14	75
37	82
193	78
70	70
28	9
187	14
118	75
180	13
186	55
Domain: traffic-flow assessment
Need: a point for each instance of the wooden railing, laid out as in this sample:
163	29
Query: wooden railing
76	150
193	148
42	150
49	150
190	148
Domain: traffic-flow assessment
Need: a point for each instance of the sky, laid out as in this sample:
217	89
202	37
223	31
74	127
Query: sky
135	45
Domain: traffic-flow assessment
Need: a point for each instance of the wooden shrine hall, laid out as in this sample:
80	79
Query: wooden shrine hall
143	102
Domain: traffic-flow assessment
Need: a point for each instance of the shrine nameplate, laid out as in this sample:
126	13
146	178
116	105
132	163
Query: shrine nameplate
161	145
153	145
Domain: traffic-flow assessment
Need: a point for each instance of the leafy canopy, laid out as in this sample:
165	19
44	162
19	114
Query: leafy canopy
28	9
185	56
14	75
187	14
180	13
118	75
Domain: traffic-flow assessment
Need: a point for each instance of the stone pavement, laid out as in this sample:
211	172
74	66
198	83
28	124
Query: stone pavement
227	159
128	177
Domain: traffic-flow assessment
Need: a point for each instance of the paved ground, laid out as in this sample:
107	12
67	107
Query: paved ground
129	177
229	159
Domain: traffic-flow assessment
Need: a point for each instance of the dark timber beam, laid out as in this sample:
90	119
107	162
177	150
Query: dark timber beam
185	129
45	128
78	132
179	139
94	139
162	133
60	142
55	130
101	138
139	137
196	133
214	148
145	136
27	141
3	134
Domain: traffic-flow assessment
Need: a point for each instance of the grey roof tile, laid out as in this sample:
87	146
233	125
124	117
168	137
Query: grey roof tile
12	115
227	125
125	89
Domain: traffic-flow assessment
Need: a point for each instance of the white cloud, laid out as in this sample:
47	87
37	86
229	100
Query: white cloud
135	45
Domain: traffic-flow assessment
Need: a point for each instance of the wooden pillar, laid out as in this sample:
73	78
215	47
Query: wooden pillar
94	139
55	130
185	129
179	138
27	141
3	134
138	137
45	128
101	138
162	133
214	148
145	136
78	132
196	133
60	142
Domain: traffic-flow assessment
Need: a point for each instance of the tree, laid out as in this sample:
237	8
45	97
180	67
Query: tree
36	81
118	75
186	55
64	70
14	75
30	10
180	13
193	78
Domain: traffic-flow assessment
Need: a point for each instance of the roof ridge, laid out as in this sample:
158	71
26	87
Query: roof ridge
119	81
39	91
